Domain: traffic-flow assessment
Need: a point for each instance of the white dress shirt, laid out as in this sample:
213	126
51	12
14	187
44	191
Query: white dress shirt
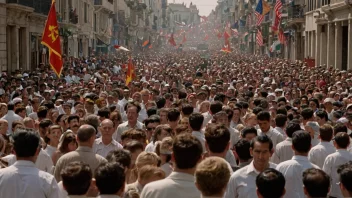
23	179
281	131
124	127
176	185
101	149
150	147
292	171
50	150
275	136
283	151
331	164
10	117
201	137
242	182
318	153
207	118
43	162
234	136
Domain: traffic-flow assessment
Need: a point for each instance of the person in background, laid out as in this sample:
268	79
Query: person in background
316	183
143	159
242	182
110	180
264	118
187	153
334	160
164	150
11	116
249	133
270	184
67	143
120	156
293	169
76	179
52	139
209	170
345	173
23	178
244	156
318	153
160	133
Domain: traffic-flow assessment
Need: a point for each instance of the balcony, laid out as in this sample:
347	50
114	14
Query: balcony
295	14
104	4
39	6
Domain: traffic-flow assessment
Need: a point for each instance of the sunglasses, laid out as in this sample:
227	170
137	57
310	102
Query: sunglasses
150	129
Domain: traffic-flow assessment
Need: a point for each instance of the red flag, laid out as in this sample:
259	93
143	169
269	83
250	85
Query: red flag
51	39
184	38
130	71
282	38
226	35
172	40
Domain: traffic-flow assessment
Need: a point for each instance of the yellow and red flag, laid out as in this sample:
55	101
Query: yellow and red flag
51	39
130	71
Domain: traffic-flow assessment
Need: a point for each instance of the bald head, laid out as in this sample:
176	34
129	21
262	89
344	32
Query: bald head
85	132
107	122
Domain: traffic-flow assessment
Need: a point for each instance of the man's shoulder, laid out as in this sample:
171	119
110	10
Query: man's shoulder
286	164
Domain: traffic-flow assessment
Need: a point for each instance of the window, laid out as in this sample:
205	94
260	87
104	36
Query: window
95	22
325	2
85	13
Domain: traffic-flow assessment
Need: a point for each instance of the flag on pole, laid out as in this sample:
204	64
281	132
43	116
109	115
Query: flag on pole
130	71
145	43
276	46
51	40
172	40
235	32
277	16
118	47
262	9
259	38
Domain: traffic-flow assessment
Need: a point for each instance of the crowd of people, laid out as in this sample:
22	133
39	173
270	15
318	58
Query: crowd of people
231	125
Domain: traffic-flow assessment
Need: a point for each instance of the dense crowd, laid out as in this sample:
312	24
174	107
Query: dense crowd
231	125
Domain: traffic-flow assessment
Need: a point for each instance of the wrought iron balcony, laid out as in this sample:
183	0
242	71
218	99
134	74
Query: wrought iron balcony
295	14
39	6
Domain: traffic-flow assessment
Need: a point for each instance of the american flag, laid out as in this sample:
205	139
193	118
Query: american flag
259	38
277	8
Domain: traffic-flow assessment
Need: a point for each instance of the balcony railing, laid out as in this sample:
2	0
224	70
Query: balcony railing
40	6
295	12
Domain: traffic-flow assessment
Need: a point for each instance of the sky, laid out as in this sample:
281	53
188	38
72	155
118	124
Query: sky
204	6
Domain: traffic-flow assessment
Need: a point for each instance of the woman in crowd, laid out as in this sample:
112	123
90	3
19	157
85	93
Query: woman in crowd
66	144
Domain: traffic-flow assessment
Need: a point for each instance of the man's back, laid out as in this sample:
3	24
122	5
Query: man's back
332	162
292	170
318	153
10	117
175	186
84	154
283	151
23	179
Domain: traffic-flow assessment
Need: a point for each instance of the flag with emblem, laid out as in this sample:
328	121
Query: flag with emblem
130	71
51	39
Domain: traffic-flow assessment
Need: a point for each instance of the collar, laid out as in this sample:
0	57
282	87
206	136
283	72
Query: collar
250	168
24	163
84	149
326	143
268	132
300	158
342	151
181	176
289	139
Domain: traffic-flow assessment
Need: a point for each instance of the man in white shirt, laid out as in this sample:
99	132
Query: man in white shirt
103	145
131	123
11	116
270	183
76	179
334	160
318	153
187	153
263	119
215	107
281	122
107	174
345	173
293	169
195	122
242	182
316	183
23	179
223	118
283	151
